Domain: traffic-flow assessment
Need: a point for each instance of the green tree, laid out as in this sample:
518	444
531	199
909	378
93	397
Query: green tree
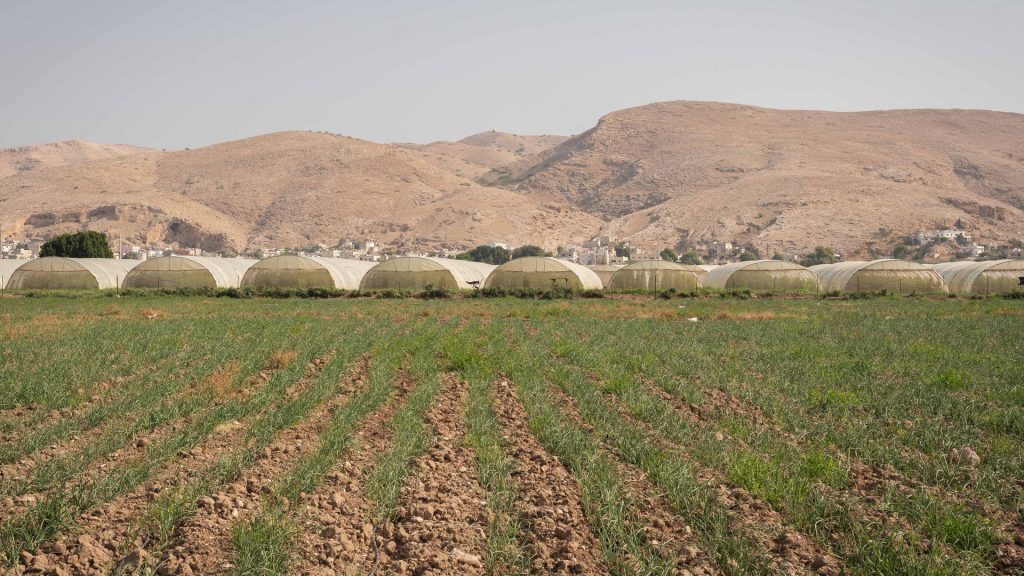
87	244
622	250
668	254
749	253
901	251
778	256
529	250
821	255
487	254
692	258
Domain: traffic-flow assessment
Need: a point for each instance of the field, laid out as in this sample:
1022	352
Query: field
177	435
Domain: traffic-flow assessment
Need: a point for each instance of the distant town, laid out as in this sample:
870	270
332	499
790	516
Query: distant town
925	246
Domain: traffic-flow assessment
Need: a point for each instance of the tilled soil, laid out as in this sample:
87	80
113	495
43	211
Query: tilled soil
338	536
871	484
787	550
441	521
667	532
26	466
557	532
110	535
202	544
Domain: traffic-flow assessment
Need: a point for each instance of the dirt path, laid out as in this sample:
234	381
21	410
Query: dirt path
336	530
441	521
557	532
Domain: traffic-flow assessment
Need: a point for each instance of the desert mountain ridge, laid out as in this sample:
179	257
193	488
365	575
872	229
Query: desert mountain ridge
681	174
27	158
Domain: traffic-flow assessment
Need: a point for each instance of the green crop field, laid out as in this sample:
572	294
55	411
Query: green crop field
625	435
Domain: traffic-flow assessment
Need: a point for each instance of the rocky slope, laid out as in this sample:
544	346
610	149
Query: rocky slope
284	189
679	173
480	153
28	158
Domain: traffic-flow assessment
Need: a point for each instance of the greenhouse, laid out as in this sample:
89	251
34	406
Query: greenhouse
7	267
657	275
421	272
986	277
543	272
292	271
762	275
70	273
893	276
188	272
605	272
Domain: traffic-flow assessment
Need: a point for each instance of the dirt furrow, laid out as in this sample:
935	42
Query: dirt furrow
441	521
786	549
871	482
338	535
27	418
667	532
874	484
202	543
221	383
24	467
557	532
104	534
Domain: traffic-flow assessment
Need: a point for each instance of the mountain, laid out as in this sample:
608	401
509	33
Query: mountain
476	155
690	173
28	158
679	174
283	189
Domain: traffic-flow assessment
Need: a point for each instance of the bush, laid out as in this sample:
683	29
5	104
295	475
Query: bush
431	293
534	293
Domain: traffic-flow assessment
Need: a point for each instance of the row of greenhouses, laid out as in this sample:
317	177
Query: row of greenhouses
414	273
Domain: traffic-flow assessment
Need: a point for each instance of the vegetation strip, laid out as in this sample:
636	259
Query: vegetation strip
881	432
264	544
441	518
811	508
49	518
611	511
192	394
335	517
507	547
200	517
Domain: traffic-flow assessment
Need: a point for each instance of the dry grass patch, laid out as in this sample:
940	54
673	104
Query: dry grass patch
760	315
279	359
222	381
152	313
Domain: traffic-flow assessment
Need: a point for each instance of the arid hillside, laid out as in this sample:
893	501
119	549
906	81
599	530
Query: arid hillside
284	189
692	172
28	158
480	153
679	174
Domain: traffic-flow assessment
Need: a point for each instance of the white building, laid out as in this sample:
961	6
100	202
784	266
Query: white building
949	234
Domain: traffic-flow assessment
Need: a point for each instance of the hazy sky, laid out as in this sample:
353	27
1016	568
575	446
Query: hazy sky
190	73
